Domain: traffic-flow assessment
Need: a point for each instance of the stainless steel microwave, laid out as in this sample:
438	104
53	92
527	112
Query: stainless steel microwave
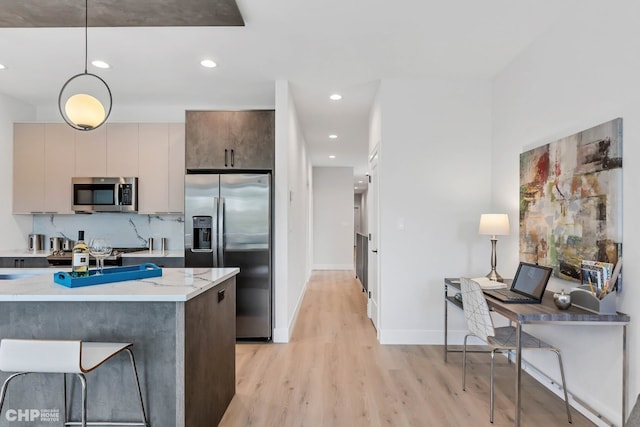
106	194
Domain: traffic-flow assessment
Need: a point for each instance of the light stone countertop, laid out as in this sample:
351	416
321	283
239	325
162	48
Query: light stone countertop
25	253
175	284
154	253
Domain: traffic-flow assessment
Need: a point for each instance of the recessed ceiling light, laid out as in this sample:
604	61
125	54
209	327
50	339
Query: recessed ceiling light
332	157
360	182
207	63
335	97
2	67
100	64
333	136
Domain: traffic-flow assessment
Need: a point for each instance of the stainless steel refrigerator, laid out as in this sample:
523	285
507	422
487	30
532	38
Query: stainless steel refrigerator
228	224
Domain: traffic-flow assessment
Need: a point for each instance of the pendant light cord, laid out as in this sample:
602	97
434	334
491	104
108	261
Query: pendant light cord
86	42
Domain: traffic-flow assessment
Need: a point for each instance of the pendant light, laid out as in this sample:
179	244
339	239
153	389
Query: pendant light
85	99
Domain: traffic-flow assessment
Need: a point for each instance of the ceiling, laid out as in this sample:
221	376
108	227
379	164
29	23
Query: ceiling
320	47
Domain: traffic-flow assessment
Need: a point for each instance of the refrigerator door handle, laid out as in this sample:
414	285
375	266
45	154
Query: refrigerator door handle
221	232
215	232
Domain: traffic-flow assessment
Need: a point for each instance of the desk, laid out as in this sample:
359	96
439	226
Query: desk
545	313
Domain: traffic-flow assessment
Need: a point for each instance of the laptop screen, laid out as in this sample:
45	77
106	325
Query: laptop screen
531	280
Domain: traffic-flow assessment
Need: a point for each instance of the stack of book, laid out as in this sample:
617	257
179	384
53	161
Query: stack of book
600	277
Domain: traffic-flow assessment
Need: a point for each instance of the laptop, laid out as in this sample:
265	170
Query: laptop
528	285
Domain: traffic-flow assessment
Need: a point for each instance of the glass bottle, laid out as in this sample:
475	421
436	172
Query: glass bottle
80	260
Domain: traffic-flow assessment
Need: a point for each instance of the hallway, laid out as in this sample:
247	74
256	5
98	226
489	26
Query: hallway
334	373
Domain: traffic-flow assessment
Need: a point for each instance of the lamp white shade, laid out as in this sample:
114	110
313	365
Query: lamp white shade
85	111
494	224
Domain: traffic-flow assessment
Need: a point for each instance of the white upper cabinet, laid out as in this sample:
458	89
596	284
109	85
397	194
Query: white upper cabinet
48	156
153	194
176	167
161	163
91	152
122	149
59	149
28	167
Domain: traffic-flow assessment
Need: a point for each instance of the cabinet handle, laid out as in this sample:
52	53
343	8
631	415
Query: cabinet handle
225	158
221	295
233	156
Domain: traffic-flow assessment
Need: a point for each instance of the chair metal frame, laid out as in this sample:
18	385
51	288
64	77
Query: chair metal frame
500	340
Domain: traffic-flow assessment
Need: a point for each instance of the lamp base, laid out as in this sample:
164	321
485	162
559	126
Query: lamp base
493	275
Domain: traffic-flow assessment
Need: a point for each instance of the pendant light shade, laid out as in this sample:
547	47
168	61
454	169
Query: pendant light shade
85	99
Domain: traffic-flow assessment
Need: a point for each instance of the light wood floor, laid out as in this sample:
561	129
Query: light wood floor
334	373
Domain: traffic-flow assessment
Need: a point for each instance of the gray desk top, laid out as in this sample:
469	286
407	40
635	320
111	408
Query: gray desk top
546	312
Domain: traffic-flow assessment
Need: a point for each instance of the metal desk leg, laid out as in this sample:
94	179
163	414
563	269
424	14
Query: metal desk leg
446	321
518	370
624	374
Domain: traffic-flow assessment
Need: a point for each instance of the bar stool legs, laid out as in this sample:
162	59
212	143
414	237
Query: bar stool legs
3	391
83	382
24	356
135	374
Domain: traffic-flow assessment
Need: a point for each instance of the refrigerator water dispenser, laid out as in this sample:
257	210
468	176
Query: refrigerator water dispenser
202	226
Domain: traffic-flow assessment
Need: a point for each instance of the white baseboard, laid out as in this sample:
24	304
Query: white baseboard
410	336
593	416
424	337
333	267
283	335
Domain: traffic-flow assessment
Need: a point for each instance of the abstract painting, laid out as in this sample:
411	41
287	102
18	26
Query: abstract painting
571	200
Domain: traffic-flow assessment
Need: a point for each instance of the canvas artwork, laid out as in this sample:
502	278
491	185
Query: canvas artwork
571	200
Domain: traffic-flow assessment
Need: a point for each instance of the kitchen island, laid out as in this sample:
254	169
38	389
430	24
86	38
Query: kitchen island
182	326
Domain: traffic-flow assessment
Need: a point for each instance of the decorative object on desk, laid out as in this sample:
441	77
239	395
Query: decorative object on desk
486	283
571	200
83	97
100	248
116	274
562	300
594	300
494	225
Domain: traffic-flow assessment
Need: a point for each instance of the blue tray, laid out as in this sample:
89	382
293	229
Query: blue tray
116	274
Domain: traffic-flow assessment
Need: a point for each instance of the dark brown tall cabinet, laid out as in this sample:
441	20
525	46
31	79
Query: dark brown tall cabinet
239	140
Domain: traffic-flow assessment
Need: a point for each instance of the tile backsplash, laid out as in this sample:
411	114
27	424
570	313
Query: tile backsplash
124	230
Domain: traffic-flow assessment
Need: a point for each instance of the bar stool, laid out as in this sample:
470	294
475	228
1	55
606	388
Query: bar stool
25	356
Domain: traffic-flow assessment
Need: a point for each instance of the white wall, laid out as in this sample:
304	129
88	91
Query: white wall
13	228
292	212
333	218
582	72
434	179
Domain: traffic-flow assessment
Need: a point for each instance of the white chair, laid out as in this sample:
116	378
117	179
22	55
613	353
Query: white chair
502	339
25	356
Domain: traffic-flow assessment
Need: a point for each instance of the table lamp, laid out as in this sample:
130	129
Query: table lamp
494	225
